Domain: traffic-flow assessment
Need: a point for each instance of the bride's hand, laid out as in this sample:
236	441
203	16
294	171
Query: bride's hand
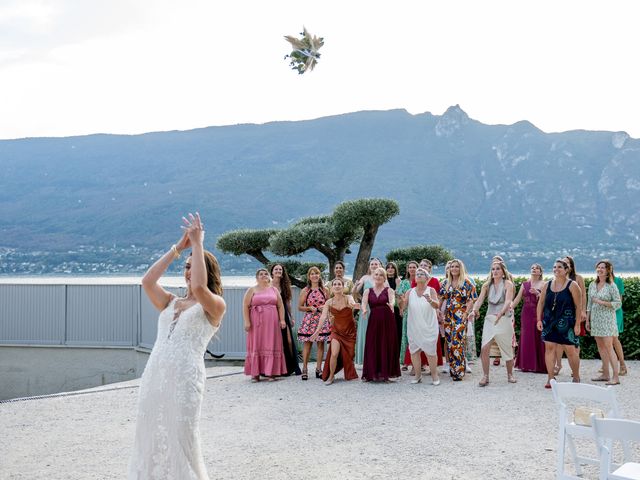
183	243
194	229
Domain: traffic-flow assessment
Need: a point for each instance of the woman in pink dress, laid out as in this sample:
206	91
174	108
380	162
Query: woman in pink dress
531	350
263	319
312	300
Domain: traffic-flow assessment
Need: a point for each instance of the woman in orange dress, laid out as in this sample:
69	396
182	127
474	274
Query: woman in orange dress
342	341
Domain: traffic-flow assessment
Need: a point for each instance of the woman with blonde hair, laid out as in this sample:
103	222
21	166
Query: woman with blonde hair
363	319
381	356
457	294
339	311
604	300
312	300
531	347
264	317
498	325
422	326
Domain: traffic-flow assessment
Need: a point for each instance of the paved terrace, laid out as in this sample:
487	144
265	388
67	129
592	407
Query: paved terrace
304	430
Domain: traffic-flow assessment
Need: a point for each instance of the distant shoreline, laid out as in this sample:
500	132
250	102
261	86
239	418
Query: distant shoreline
178	281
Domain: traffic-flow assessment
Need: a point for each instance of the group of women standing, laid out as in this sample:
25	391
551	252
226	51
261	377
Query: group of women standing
383	321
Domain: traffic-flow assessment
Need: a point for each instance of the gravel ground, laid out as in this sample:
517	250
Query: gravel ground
306	430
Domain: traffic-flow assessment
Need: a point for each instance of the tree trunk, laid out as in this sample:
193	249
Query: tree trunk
296	282
364	253
258	255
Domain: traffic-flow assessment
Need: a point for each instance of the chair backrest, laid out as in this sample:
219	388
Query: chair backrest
615	429
564	391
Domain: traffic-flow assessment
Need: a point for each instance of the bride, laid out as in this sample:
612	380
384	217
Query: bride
167	441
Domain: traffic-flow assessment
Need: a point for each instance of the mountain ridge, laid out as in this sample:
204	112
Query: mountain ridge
484	183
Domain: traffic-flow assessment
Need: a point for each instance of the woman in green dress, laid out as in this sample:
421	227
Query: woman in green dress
407	283
363	319
617	346
604	300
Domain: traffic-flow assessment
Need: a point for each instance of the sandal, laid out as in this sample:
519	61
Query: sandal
556	369
484	382
305	376
255	379
623	370
511	379
612	383
600	379
318	373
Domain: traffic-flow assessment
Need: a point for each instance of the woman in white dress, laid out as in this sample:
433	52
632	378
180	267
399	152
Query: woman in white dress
422	325
498	324
167	441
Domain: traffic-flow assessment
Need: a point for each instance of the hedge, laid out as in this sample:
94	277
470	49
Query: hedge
630	337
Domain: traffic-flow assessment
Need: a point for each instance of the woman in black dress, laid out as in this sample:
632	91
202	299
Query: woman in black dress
280	280
559	319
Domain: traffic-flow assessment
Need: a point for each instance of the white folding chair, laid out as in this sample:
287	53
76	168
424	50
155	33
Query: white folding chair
606	431
568	429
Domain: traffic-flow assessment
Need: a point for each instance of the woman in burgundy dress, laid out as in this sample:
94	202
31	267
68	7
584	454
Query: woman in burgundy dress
381	354
531	350
342	341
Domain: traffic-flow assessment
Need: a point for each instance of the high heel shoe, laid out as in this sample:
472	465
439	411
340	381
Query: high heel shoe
484	382
416	380
318	373
305	375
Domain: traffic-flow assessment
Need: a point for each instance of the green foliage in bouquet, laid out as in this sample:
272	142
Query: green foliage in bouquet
304	55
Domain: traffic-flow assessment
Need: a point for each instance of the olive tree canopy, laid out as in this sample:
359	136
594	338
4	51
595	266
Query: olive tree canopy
367	214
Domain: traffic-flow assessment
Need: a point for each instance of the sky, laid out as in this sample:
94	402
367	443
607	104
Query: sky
75	67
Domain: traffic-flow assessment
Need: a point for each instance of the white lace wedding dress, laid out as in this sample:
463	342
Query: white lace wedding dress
167	442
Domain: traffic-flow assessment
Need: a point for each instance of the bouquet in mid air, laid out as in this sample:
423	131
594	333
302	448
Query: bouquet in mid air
304	55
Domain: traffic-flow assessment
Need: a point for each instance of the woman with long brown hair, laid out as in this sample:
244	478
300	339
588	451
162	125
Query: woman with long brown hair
581	316
173	383
281	281
558	312
312	300
604	300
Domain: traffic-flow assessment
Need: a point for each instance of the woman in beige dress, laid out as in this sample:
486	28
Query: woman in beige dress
498	323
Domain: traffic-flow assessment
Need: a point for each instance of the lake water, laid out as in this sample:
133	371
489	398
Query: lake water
175	281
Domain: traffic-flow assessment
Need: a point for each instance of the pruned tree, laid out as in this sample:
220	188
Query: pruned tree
436	253
331	235
256	243
244	241
319	233
367	214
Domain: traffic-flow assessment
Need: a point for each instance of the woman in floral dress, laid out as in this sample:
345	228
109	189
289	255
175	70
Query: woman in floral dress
458	295
604	299
312	299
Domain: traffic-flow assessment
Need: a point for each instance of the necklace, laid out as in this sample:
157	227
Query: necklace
555	296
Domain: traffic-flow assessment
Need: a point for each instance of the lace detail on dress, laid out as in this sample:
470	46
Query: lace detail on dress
167	442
